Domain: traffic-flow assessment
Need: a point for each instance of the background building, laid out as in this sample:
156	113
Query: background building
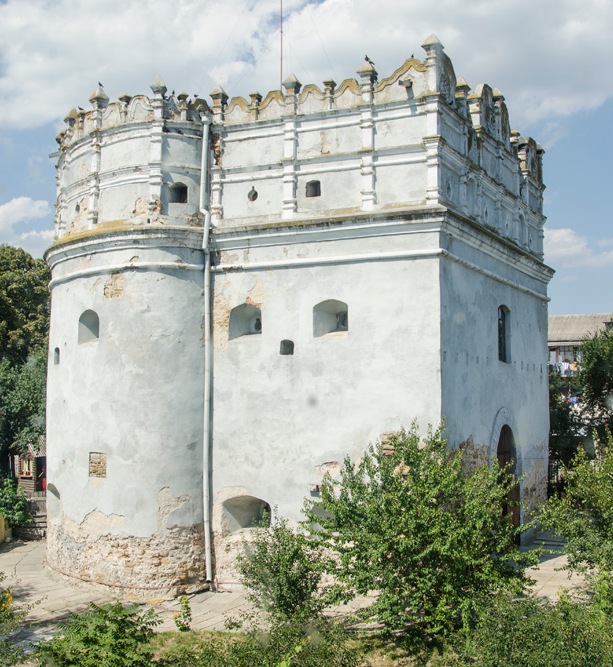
566	332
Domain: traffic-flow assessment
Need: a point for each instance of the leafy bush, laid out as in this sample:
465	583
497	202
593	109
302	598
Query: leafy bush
538	633
287	644
281	571
10	619
183	618
14	505
583	515
408	522
107	636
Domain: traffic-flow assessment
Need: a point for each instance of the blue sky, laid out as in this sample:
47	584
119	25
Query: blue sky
552	59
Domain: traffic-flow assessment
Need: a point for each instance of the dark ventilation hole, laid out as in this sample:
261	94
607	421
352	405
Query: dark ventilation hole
56	356
77	208
313	189
287	347
252	195
178	193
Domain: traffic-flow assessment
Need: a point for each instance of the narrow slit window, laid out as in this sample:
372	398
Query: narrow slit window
56	356
178	193
89	327
313	189
504	334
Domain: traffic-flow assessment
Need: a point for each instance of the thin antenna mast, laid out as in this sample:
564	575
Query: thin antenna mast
281	35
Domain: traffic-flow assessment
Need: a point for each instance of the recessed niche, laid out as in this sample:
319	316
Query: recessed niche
313	189
244	512
97	464
178	193
330	316
245	320
89	327
286	347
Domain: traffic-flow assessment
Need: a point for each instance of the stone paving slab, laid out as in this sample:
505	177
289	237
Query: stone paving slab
32	583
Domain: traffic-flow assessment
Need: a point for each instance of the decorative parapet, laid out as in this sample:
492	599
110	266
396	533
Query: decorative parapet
129	109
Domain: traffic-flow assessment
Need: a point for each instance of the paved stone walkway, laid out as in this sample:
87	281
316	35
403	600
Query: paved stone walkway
34	584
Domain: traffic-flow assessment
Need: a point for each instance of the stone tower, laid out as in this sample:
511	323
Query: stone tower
375	257
125	388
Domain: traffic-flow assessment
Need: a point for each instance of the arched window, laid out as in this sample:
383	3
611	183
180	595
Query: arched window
504	338
56	356
245	320
89	327
313	189
178	193
244	512
330	316
286	347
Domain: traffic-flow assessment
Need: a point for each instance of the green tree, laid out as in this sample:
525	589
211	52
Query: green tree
583	515
596	378
565	425
281	570
24	304
22	402
408	522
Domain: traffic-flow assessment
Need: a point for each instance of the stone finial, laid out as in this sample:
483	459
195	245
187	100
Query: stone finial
497	95
462	86
292	85
219	96
99	98
367	71
182	97
158	86
71	117
329	87
255	97
125	98
432	42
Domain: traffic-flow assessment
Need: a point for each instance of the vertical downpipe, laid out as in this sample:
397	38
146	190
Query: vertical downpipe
206	431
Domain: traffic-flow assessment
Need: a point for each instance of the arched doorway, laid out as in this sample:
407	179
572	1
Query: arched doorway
507	454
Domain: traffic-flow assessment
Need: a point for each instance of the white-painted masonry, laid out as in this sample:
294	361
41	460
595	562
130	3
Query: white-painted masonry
375	258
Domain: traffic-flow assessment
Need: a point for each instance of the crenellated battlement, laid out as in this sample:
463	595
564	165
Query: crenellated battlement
419	137
107	115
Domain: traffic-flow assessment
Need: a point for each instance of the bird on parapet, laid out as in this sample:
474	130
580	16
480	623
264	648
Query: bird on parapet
369	61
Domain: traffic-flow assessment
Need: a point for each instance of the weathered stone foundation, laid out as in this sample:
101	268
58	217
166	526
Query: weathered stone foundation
170	562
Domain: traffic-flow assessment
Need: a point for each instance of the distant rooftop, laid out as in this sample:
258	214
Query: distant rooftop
572	329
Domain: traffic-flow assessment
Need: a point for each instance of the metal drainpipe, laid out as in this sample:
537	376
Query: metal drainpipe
206	435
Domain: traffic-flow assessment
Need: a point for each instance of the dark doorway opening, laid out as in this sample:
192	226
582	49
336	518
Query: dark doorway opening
507	454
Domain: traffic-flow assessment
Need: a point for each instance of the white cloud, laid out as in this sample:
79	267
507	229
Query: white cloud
19	210
566	248
17	219
550	58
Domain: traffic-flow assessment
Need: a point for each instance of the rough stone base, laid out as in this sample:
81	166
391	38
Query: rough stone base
165	564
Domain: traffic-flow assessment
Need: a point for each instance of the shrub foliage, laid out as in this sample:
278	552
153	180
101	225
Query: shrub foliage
108	636
540	633
281	571
408	522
